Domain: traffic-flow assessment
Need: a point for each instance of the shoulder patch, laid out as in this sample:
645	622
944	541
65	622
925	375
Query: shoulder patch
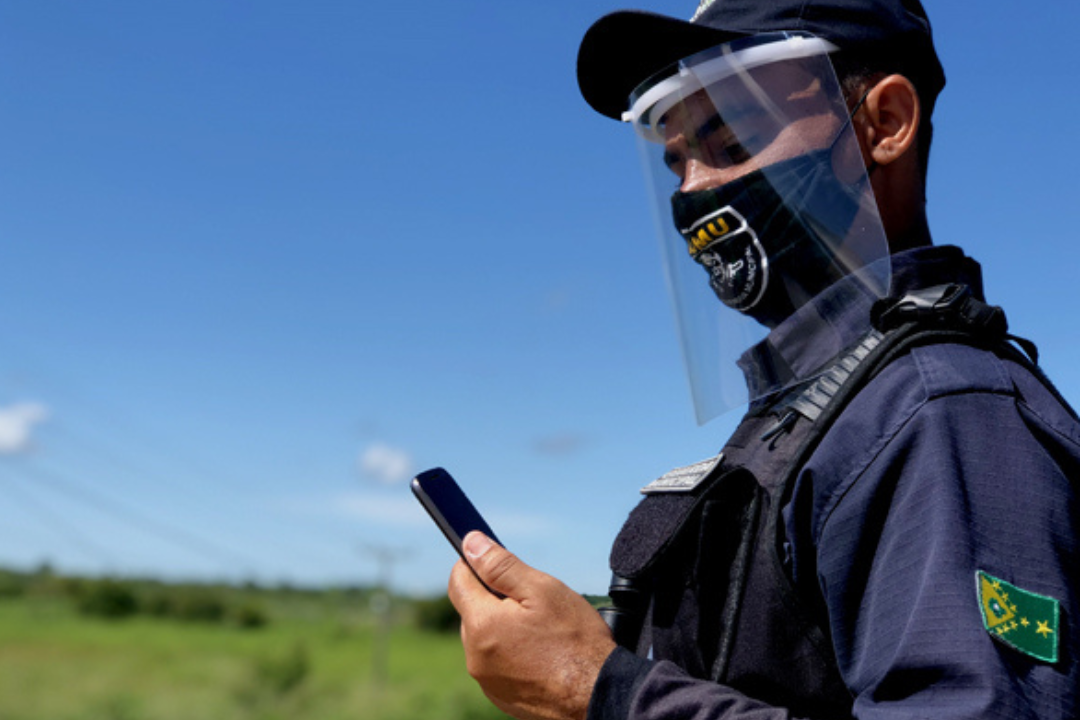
684	479
1021	619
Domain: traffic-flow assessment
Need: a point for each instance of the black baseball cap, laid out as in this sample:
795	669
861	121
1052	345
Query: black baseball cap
623	49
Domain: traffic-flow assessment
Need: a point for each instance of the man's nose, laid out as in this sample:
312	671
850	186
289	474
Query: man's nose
699	175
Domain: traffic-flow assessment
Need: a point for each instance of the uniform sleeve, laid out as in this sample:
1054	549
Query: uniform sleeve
972	483
633	688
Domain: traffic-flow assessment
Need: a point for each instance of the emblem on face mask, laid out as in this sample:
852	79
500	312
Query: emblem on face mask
729	250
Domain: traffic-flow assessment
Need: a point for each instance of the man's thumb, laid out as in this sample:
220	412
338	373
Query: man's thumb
497	567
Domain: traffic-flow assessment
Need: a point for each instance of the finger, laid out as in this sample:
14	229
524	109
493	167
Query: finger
497	567
464	588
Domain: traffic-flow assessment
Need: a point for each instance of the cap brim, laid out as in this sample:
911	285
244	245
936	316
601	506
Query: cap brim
625	48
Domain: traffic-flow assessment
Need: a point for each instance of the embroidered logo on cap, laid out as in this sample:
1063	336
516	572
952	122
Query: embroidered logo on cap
1023	620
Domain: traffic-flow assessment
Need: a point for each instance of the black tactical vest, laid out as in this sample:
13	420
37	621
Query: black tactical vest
722	605
699	567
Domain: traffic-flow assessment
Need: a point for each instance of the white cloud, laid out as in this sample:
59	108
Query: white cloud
16	426
385	464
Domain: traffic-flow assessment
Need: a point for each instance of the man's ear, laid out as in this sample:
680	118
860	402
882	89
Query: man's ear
891	117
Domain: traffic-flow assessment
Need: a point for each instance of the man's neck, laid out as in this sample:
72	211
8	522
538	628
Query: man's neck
915	234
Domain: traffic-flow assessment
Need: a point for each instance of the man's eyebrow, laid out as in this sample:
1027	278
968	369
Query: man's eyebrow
711	125
720	120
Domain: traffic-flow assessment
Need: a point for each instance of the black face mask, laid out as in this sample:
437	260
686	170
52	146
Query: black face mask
765	255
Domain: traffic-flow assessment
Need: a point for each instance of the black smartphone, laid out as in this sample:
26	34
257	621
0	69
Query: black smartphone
449	507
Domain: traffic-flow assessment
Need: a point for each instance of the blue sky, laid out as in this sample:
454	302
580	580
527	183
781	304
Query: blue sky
262	261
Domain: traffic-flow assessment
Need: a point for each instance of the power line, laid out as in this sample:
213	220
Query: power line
315	534
161	450
109	414
148	465
181	538
58	524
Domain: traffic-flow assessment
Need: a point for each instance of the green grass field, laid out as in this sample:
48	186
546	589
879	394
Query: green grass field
316	658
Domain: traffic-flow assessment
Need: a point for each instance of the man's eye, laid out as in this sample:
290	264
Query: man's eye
725	148
720	142
709	127
740	152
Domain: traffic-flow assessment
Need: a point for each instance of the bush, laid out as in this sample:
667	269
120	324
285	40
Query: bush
437	615
283	674
160	604
250	616
107	599
11	585
199	606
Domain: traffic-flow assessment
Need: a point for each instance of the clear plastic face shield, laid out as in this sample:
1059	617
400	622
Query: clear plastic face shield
762	203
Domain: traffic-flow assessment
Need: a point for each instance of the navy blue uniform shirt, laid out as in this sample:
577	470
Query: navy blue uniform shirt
952	468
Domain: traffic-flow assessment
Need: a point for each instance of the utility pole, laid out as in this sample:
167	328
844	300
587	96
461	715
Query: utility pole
382	608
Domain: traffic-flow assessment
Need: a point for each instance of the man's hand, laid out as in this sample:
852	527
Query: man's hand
537	652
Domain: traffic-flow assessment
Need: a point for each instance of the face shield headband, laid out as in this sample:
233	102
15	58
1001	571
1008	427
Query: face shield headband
771	200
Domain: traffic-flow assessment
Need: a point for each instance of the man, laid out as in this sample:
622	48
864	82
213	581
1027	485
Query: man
892	529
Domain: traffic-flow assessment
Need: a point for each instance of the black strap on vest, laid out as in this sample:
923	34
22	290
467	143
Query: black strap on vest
950	313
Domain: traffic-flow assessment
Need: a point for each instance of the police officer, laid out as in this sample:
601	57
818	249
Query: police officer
892	529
